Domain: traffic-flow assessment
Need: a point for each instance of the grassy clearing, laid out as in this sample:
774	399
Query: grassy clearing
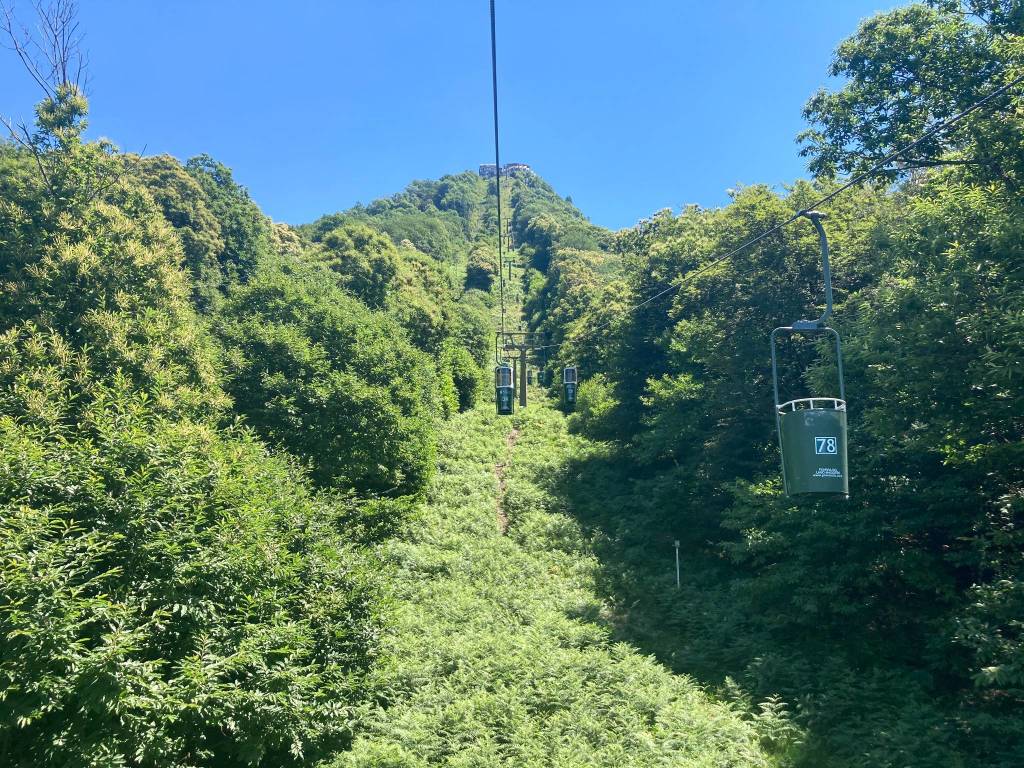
500	655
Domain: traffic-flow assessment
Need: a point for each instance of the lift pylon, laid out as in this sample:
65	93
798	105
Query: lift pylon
517	346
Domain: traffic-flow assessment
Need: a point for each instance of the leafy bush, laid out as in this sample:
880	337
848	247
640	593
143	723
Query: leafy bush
245	230
481	271
109	280
318	374
364	261
184	205
595	400
466	375
423	301
171	595
475	330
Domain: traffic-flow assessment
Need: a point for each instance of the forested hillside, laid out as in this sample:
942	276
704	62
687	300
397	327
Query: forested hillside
207	419
256	508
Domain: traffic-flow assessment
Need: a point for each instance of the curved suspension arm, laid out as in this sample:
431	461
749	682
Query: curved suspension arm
815	218
813	326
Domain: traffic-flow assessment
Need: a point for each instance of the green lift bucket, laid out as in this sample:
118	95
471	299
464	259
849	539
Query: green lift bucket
812	433
812	430
504	391
569	383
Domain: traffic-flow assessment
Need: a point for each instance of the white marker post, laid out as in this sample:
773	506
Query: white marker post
677	563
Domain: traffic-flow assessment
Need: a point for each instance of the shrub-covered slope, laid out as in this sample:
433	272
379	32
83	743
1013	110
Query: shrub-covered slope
193	401
500	654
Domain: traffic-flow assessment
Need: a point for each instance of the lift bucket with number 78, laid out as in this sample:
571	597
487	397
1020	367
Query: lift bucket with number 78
813	432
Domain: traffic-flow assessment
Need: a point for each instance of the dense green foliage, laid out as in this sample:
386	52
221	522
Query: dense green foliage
225	541
502	655
912	67
332	382
101	274
364	260
172	595
175	590
246	232
185	207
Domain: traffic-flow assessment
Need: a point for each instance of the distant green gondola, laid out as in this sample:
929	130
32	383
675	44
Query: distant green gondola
569	383
504	391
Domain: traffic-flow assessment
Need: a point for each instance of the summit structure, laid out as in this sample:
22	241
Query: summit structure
489	170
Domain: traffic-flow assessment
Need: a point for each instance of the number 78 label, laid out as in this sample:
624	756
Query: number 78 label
825	445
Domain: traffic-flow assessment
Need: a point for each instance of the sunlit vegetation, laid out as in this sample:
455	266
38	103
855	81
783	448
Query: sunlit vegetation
887	624
502	653
208	420
256	509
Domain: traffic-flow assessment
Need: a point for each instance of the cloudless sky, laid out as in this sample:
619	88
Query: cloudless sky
629	107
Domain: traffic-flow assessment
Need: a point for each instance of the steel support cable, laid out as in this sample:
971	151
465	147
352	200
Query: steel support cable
854	181
497	161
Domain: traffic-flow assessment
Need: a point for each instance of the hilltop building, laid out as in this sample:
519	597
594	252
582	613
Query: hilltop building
515	169
489	170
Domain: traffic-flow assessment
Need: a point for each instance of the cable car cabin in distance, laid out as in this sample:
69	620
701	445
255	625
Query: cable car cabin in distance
569	383
812	430
504	391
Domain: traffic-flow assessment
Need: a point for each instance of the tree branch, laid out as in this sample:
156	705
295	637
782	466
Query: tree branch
16	131
21	40
52	53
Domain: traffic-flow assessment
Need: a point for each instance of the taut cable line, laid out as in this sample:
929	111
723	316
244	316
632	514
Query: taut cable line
878	167
497	160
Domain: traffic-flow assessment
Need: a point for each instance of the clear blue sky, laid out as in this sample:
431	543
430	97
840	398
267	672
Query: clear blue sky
627	106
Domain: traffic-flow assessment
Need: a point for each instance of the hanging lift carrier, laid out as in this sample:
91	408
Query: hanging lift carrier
569	383
504	390
812	430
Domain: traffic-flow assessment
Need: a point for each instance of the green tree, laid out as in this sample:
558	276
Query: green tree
101	271
318	374
915	66
481	270
184	205
245	230
364	261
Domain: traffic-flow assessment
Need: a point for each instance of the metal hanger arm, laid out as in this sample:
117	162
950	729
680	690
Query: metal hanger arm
815	218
